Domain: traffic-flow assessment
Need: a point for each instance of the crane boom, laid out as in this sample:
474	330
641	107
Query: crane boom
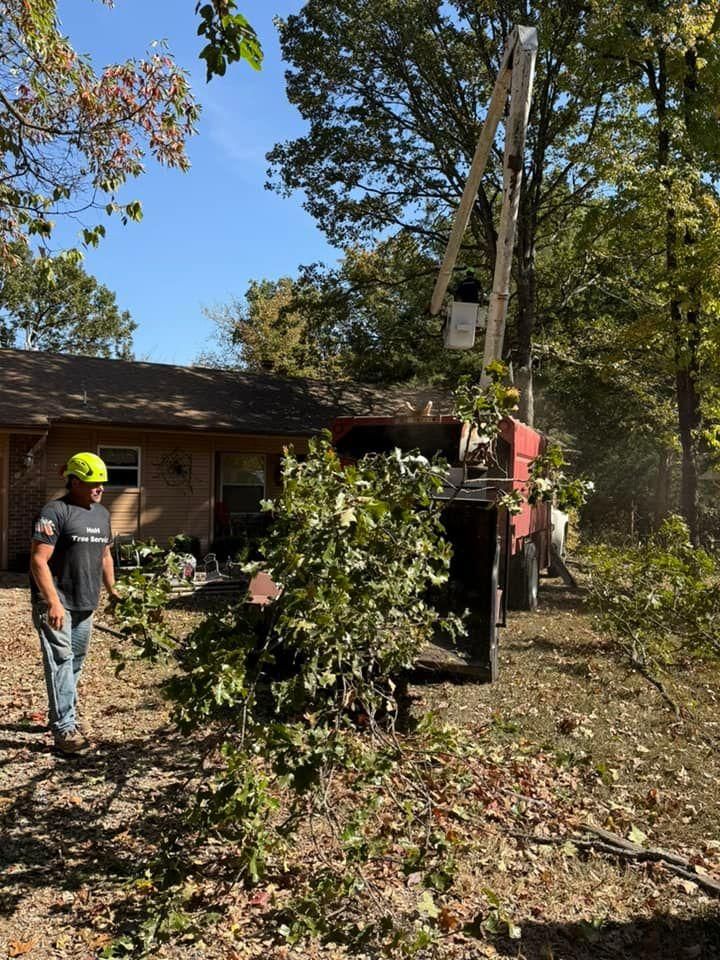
477	168
516	74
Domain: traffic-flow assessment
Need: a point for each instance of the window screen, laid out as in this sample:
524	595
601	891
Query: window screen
123	465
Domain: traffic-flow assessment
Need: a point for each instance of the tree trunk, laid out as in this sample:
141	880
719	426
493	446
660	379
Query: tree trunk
687	342
661	504
689	415
685	331
687	347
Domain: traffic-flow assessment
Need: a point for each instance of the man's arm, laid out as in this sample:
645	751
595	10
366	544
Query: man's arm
40	554
108	573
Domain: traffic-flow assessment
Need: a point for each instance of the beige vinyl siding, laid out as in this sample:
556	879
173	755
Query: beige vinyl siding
176	502
165	504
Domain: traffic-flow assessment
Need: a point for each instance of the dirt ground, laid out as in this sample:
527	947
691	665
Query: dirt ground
566	726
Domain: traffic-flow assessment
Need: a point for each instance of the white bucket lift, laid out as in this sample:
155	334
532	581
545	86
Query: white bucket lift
461	322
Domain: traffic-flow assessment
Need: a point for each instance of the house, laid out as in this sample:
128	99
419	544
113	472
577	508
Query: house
189	450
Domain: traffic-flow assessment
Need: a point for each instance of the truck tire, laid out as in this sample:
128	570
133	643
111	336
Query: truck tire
525	578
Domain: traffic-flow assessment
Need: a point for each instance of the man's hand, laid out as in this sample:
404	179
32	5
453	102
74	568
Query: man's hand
56	615
114	599
40	553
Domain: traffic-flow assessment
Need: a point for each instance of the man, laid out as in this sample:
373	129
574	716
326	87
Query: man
468	290
70	556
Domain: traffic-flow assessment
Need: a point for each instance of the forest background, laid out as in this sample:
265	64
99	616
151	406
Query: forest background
613	319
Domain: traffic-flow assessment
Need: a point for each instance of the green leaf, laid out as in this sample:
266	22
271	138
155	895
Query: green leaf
637	836
347	517
93	235
491	896
134	210
427	907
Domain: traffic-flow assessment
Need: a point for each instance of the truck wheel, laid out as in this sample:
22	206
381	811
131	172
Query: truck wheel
525	579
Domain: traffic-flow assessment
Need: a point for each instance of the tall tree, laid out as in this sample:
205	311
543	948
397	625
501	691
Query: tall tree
373	309
667	55
605	372
395	96
71	137
54	305
271	331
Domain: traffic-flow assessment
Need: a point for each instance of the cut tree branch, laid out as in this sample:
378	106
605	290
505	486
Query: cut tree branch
616	846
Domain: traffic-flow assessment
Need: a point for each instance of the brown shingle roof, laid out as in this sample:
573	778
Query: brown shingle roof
39	388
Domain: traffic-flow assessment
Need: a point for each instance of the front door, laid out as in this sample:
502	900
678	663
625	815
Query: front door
242	482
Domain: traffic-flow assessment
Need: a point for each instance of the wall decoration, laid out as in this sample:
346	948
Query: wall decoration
176	469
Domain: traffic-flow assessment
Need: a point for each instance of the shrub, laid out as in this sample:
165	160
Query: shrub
289	689
185	543
660	597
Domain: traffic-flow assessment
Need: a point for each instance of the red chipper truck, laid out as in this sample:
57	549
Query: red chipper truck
497	557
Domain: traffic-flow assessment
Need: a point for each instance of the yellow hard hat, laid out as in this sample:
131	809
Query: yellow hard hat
87	467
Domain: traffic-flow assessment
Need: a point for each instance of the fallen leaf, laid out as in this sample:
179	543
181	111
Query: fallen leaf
260	899
568	724
426	905
514	931
687	885
448	921
18	948
637	836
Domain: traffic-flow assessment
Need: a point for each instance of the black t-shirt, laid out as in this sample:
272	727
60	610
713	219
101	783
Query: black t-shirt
79	536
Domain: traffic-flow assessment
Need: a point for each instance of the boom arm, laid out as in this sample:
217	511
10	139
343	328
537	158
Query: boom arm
516	74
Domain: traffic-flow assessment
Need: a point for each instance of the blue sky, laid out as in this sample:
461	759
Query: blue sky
206	233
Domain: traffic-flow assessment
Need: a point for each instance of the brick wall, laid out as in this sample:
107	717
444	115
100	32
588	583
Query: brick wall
26	495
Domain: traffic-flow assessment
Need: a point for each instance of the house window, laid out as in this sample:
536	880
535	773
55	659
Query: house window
242	483
123	465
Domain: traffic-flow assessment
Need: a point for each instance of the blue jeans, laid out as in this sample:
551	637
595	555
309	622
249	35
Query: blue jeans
63	653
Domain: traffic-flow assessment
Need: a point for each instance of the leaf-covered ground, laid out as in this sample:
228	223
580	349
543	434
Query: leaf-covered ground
567	737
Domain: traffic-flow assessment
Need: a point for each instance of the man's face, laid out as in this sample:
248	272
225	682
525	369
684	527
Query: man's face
86	494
